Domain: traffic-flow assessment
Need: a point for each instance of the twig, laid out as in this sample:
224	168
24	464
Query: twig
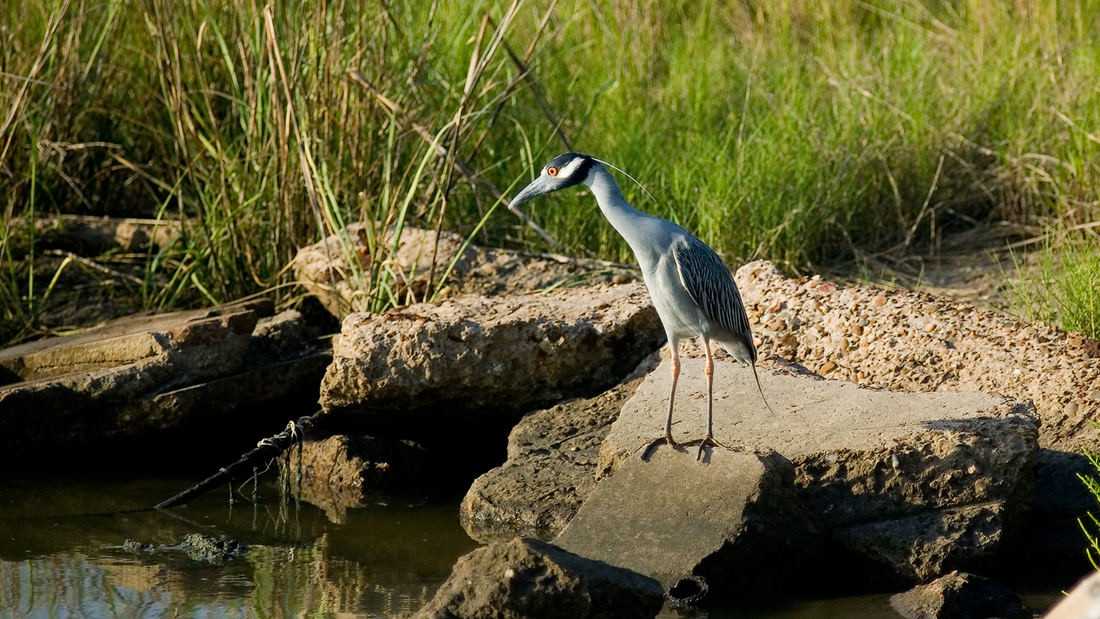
266	449
93	265
441	151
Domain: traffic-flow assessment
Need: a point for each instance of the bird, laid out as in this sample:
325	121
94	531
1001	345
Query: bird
690	286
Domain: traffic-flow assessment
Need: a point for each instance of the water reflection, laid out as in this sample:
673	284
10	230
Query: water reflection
60	555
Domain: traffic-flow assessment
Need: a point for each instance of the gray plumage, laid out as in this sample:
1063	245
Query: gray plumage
711	286
692	289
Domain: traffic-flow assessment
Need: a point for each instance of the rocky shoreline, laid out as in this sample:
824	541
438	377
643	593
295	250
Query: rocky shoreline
916	441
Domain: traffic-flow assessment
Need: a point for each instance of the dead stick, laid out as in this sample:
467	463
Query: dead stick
266	449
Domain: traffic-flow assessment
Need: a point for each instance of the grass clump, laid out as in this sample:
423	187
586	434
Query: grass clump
796	131
1064	287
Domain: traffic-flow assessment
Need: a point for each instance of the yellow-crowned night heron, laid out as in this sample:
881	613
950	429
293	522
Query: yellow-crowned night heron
691	288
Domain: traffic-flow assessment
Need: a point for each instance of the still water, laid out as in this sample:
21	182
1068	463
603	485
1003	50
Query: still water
60	556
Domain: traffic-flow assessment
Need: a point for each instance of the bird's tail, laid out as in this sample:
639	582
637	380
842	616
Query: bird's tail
759	388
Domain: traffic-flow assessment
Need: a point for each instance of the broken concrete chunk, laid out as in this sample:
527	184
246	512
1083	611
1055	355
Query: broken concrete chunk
920	547
732	521
88	235
896	477
913	341
960	594
550	471
332	269
145	377
490	355
525	578
340	471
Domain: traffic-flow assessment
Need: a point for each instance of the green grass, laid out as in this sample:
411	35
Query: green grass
795	131
1064	288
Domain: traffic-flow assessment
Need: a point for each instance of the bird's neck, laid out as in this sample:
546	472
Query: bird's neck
614	206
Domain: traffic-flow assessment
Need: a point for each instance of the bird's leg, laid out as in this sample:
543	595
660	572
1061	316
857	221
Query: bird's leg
672	393
667	438
709	371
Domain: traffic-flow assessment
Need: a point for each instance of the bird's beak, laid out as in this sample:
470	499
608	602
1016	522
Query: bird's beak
537	187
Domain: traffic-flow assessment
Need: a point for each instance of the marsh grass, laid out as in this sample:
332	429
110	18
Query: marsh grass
797	131
1064	287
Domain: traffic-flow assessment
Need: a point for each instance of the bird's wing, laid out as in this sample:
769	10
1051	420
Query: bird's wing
711	286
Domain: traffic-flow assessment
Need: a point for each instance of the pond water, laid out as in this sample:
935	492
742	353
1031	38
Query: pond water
60	556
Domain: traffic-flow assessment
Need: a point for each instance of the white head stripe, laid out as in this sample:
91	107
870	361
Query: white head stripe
570	167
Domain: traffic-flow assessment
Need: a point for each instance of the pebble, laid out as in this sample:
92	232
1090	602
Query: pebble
827	367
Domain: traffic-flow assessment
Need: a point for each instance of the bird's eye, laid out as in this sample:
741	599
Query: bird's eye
552	171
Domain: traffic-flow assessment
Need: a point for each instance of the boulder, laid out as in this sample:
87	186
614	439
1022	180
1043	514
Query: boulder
959	595
912	341
338	472
732	524
525	578
489	355
915	483
551	469
334	268
153	378
87	235
1081	603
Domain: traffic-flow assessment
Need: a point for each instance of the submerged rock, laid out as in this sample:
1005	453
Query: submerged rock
960	595
732	524
332	270
338	472
151	378
208	549
918	483
482	355
525	578
550	471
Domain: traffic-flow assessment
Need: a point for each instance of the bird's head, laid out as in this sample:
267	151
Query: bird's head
561	172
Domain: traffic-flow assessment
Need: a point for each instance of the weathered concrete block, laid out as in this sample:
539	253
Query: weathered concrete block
525	578
490	355
550	471
330	268
960	595
917	468
147	377
733	521
338	472
913	341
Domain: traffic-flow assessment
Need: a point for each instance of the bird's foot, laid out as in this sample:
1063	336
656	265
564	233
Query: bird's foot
648	448
712	443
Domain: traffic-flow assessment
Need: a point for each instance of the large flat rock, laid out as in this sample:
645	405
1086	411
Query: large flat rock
480	354
524	579
734	522
912	341
917	483
148	379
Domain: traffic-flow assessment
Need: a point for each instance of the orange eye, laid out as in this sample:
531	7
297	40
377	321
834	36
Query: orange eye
552	171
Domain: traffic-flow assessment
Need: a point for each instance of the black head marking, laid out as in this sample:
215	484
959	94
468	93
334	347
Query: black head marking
579	174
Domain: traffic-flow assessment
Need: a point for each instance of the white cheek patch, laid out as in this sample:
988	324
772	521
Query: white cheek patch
570	167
